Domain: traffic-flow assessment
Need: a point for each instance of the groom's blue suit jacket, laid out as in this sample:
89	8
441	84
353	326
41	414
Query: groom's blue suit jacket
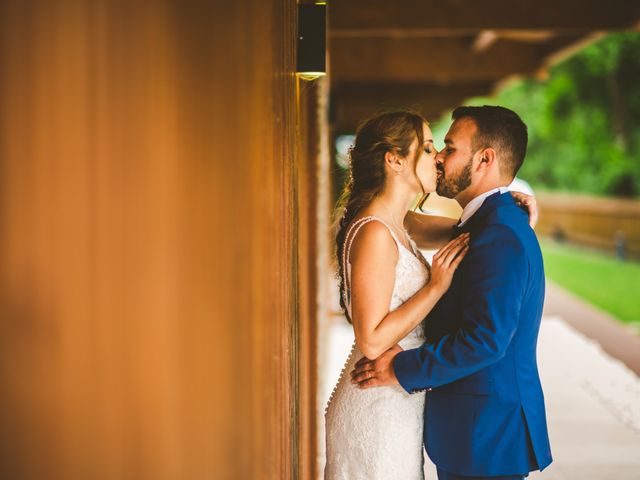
484	412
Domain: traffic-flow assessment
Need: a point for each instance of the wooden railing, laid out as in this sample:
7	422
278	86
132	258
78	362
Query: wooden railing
605	223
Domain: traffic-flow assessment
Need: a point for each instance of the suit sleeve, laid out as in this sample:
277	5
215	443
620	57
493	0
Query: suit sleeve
494	279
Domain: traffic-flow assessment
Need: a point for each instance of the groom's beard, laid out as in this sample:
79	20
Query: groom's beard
451	187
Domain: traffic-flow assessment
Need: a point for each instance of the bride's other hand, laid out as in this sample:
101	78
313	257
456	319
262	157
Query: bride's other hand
446	261
527	203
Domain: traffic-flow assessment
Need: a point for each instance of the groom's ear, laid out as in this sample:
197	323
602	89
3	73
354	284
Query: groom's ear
487	158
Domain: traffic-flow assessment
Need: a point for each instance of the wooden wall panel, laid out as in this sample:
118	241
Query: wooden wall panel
150	265
313	208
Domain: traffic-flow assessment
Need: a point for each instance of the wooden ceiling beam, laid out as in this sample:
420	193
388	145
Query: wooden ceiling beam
352	103
349	18
436	59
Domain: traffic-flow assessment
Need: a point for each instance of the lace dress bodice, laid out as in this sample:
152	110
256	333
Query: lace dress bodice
377	433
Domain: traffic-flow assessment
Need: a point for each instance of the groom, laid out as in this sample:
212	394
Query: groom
484	411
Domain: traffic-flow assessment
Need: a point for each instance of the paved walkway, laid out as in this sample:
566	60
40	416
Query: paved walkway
592	398
593	408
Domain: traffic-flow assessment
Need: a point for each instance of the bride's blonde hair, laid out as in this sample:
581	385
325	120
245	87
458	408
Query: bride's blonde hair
387	132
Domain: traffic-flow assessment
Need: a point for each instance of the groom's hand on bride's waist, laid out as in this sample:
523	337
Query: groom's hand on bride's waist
376	373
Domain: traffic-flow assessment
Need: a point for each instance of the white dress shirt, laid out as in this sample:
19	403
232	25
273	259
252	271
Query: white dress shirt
473	206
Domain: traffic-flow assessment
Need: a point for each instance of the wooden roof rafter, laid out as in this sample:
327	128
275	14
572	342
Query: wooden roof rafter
404	49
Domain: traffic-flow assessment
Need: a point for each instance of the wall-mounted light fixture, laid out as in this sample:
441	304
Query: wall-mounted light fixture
312	26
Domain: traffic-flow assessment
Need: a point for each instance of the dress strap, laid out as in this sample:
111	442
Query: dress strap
346	251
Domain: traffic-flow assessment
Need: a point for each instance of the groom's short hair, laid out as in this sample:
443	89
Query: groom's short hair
501	129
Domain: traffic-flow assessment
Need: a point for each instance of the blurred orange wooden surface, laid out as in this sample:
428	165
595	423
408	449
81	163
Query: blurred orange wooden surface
151	166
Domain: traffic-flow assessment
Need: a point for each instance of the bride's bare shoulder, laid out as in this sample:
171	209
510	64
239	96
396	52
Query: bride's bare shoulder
372	239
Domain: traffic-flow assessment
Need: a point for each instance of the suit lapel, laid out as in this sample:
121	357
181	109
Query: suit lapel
492	202
441	319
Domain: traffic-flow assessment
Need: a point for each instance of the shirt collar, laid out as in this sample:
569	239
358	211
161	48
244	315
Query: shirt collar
473	206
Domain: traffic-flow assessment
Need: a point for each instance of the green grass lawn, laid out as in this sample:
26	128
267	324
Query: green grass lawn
600	279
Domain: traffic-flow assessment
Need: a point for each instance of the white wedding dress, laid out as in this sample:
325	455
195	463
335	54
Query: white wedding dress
376	433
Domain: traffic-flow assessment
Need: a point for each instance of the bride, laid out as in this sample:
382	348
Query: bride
387	288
